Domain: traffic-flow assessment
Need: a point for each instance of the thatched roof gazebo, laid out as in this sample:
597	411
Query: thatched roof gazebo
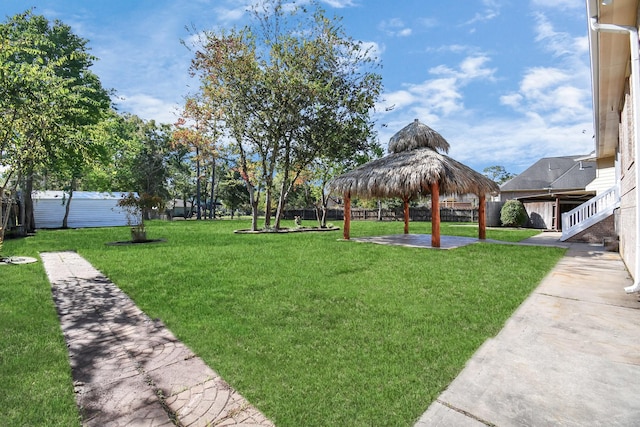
414	167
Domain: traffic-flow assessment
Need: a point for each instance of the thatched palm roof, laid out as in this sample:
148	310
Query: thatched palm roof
414	167
417	135
409	173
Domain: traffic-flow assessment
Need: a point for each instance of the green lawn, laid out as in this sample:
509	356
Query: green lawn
312	330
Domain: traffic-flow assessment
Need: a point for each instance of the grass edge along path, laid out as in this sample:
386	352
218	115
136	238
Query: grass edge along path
36	375
316	332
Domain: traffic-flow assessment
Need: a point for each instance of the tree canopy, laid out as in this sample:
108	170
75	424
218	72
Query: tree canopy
48	100
498	174
290	89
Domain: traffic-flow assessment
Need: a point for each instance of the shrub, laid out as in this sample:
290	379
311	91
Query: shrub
513	214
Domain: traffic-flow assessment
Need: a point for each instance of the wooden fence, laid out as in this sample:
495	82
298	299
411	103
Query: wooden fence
14	215
415	214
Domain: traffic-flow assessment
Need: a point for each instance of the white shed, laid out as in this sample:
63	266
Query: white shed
88	209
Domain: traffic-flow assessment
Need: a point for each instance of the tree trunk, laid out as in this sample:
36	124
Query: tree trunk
347	216
199	212
267	207
284	193
29	220
212	211
204	202
405	212
22	231
324	202
184	206
254	210
67	206
323	222
435	215
482	217
4	217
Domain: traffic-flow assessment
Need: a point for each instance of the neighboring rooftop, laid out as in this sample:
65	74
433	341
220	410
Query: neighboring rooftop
557	173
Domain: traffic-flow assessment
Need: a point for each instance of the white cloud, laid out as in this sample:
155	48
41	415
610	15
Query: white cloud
490	12
230	14
558	4
558	43
339	4
149	107
517	142
513	100
559	93
399	99
435	99
395	27
428	22
471	68
552	93
439	95
453	48
540	78
372	49
548	114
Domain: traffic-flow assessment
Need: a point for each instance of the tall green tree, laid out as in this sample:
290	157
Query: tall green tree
199	131
325	167
49	99
498	174
181	183
233	192
297	90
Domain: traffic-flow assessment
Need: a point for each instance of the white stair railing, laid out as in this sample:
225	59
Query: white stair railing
590	212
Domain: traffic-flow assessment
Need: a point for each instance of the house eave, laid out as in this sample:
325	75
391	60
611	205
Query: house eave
609	56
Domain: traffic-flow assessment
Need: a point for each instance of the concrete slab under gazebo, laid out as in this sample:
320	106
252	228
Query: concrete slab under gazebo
414	167
417	241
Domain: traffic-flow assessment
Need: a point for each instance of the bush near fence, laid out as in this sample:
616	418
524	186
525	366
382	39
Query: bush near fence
415	214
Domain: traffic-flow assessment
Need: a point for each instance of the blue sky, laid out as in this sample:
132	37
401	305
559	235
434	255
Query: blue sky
506	82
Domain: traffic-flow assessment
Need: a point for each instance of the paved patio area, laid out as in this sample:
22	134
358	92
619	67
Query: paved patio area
417	240
569	356
547	238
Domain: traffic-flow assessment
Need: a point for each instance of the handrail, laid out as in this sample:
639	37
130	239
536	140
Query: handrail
590	212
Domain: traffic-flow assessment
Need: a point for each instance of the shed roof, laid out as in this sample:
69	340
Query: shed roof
54	194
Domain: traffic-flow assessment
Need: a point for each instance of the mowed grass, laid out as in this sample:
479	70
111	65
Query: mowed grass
35	376
312	330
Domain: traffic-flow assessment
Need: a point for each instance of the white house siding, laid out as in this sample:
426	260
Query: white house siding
605	176
627	215
87	209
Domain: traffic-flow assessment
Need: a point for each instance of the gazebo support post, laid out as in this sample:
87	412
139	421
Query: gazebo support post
482	217
435	215
556	226
405	199
347	216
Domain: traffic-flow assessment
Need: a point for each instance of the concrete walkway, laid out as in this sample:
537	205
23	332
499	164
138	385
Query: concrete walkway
129	370
569	356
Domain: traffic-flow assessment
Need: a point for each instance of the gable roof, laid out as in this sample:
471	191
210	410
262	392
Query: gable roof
557	173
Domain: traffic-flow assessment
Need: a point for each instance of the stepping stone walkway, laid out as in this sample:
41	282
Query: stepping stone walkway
128	369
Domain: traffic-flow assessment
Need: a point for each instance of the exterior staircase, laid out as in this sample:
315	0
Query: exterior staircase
590	212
